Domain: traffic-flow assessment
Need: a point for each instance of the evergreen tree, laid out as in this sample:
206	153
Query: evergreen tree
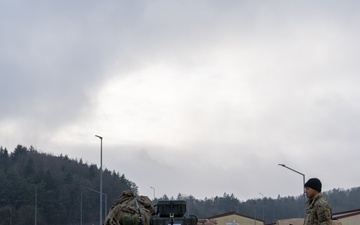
59	185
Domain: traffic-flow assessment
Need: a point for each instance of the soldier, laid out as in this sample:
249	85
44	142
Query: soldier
318	210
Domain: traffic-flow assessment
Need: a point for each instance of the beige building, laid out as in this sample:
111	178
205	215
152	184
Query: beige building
343	218
348	217
300	221
233	218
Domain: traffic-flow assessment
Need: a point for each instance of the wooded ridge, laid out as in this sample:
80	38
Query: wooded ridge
63	191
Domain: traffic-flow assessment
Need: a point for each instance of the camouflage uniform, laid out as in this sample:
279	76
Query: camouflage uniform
318	211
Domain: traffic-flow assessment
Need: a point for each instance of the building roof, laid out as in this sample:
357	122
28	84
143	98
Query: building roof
233	213
345	214
337	216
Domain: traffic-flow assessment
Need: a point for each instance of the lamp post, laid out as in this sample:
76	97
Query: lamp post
262	201
283	165
255	214
154	191
101	138
81	205
36	205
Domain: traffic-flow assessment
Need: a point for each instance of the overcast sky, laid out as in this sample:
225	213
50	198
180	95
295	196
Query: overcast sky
194	97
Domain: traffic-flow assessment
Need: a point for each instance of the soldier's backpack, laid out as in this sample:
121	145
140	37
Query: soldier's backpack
130	209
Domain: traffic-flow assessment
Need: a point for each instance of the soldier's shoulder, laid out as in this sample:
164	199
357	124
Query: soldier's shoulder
322	202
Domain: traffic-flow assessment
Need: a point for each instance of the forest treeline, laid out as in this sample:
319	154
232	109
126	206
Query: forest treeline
47	189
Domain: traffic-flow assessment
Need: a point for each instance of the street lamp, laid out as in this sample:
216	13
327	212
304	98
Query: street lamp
81	205
262	201
283	165
101	138
35	204
154	192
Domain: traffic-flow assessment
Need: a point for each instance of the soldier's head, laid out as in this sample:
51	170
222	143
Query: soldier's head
312	187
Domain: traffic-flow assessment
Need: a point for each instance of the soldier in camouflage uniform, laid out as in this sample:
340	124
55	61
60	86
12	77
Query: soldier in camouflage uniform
318	210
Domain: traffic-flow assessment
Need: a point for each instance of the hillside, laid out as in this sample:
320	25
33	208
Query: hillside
57	183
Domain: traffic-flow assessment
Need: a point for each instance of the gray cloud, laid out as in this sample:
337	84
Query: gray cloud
276	82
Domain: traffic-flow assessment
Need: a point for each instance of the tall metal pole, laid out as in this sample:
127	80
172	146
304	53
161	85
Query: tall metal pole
81	205
106	212
101	138
154	192
302	189
255	214
262	201
36	205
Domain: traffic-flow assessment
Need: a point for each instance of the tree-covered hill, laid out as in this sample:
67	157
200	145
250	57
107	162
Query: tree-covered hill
55	184
62	191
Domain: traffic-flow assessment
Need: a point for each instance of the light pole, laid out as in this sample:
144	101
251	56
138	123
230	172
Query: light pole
154	192
283	165
255	214
36	205
262	201
81	205
101	138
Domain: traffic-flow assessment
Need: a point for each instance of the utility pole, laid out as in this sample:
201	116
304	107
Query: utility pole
262	201
35	205
101	138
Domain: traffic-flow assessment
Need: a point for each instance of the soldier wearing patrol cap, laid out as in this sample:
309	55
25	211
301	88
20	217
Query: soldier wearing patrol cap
318	210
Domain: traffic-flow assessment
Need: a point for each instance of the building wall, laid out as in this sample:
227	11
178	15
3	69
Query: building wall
294	221
351	220
237	220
